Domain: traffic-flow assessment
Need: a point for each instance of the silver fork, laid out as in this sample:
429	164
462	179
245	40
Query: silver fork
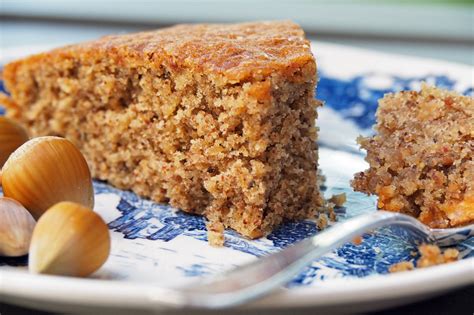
259	278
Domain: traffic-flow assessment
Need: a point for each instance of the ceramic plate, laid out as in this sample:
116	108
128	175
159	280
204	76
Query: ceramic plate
155	246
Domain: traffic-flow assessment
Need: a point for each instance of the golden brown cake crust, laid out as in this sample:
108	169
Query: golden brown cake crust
237	51
422	157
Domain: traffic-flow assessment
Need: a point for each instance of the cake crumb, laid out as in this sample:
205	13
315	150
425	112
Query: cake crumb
326	213
332	214
339	199
451	254
430	255
357	240
215	234
322	221
401	266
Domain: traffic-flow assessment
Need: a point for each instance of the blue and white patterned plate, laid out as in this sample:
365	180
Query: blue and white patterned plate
155	246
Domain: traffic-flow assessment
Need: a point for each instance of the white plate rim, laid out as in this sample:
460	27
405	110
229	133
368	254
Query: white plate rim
97	292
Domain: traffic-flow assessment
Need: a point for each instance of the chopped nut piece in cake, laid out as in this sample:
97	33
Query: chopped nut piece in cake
422	157
217	120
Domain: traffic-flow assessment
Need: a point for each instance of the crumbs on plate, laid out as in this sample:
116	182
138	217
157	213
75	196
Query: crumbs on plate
430	255
326	213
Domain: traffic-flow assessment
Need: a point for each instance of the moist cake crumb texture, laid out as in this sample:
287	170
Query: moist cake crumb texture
217	120
422	157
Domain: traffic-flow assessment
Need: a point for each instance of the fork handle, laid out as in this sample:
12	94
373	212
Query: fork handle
260	277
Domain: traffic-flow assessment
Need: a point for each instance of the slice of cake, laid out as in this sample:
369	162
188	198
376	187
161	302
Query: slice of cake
422	157
217	120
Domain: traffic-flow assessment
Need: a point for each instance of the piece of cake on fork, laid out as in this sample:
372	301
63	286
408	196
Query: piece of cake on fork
216	119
